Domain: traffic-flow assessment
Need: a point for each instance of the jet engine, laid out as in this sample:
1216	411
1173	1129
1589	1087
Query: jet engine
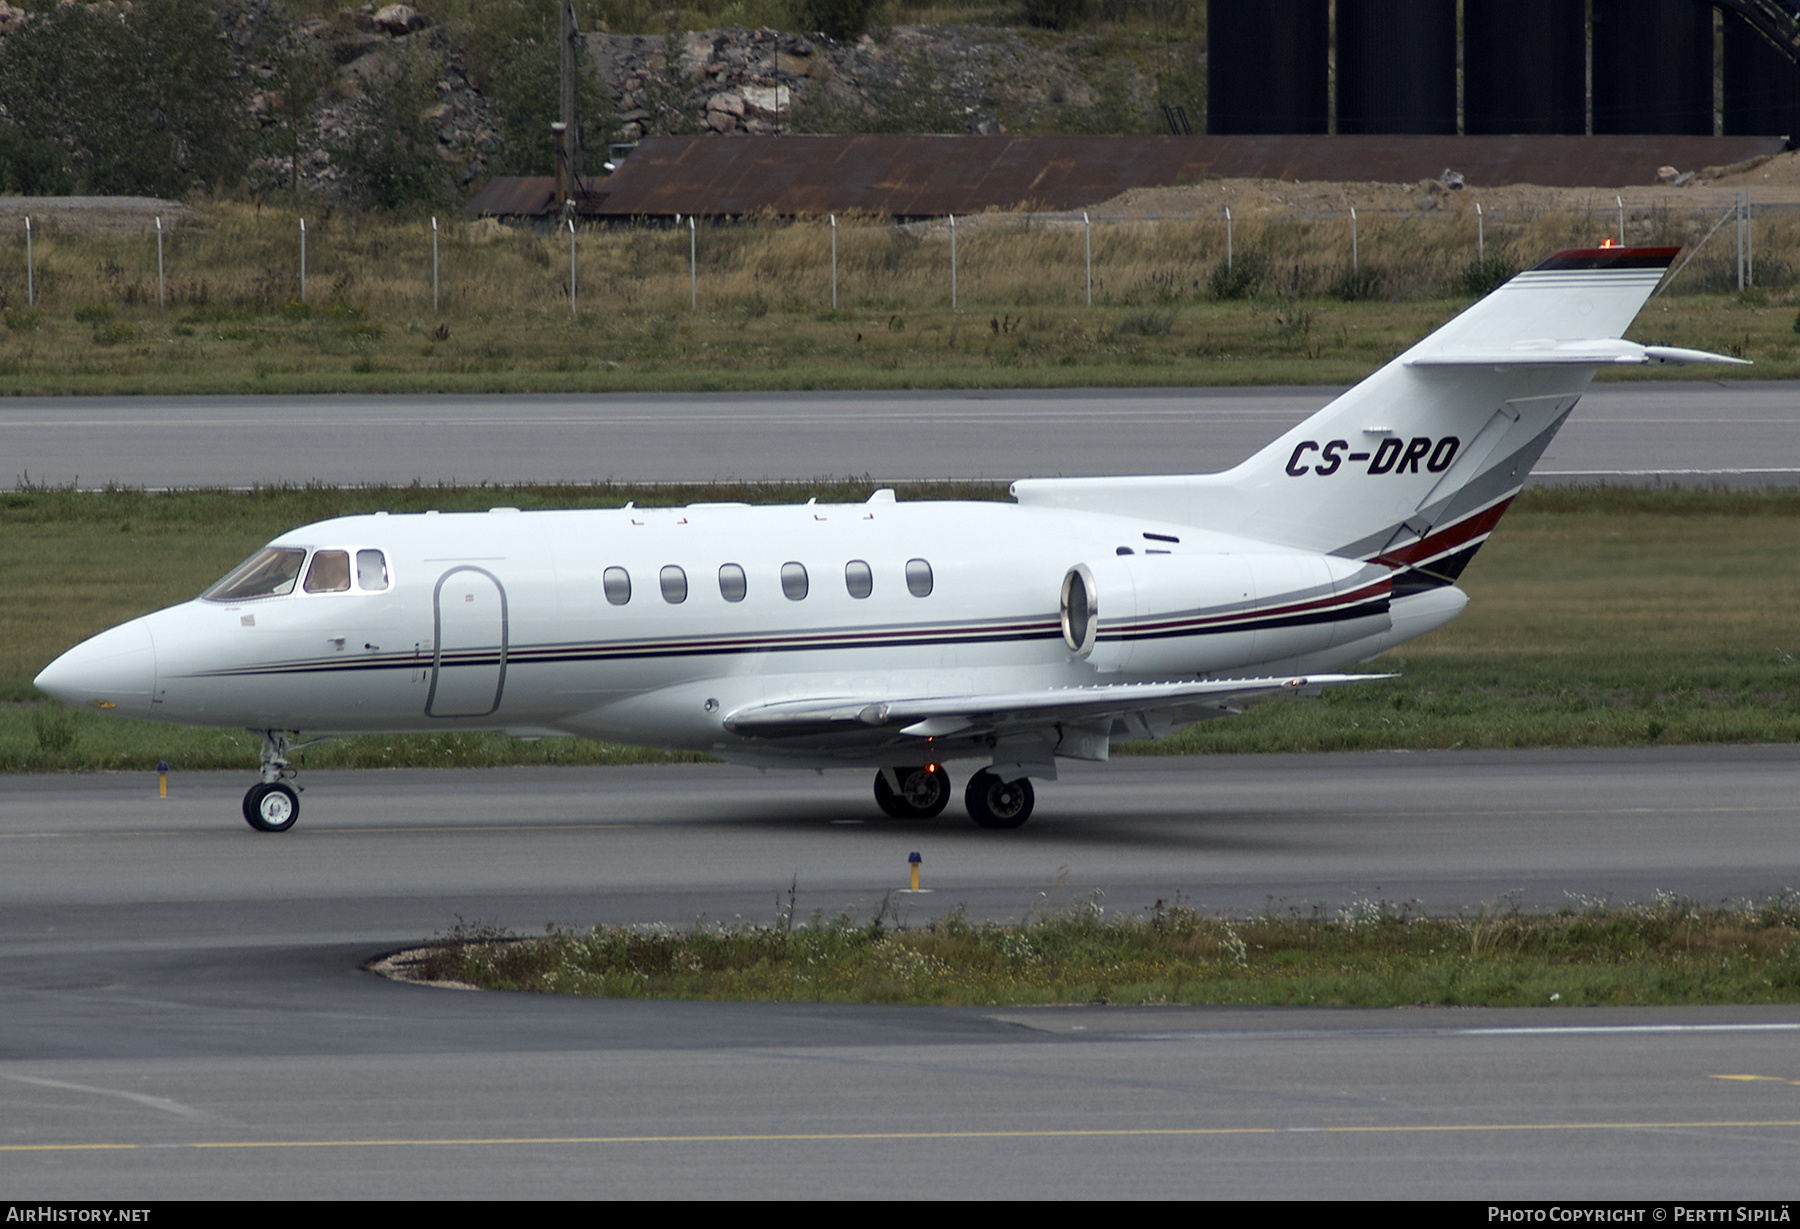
1193	613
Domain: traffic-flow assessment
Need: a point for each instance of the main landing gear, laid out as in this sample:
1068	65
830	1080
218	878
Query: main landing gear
912	793
272	805
921	793
994	803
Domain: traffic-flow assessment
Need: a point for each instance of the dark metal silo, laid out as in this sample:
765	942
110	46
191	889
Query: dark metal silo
1524	67
1653	66
1396	66
1762	86
1267	64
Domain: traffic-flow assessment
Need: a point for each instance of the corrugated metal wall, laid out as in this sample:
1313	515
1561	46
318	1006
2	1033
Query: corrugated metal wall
1267	66
1653	66
1396	66
1524	67
1762	86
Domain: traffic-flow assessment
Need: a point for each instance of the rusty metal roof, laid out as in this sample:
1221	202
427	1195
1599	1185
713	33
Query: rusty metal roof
930	176
530	196
514	196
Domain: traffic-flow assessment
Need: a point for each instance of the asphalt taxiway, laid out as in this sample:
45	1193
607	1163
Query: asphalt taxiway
184	1010
1730	432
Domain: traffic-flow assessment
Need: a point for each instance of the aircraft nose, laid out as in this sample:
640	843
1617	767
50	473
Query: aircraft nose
114	670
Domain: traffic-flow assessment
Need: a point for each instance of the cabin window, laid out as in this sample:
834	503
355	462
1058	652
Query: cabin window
674	585
793	581
371	570
858	578
329	573
918	578
617	584
271	572
732	585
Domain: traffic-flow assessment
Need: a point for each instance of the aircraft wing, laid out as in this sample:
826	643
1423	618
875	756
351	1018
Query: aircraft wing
1142	708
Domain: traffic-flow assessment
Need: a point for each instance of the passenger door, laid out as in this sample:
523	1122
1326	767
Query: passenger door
468	674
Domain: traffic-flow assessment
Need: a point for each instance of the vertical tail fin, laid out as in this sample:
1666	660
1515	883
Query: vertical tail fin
1414	466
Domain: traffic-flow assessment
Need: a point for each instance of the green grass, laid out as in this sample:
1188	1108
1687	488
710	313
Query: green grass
1203	343
1609	617
764	320
1370	955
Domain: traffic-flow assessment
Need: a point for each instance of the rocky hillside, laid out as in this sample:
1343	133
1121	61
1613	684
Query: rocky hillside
342	100
765	82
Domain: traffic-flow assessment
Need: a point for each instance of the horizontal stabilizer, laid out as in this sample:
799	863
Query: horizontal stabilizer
1606	350
934	716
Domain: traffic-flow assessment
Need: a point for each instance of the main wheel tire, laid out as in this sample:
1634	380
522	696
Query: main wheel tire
994	803
924	792
271	808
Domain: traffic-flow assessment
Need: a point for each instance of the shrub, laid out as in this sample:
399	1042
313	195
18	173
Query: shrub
1239	280
116	333
840	19
94	313
1483	276
1362	282
1054	14
1149	324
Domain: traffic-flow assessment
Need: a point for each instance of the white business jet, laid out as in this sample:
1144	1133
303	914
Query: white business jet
901	636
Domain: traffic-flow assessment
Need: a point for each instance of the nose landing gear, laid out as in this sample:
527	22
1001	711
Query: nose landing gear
272	805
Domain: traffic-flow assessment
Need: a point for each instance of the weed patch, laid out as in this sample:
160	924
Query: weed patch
1373	954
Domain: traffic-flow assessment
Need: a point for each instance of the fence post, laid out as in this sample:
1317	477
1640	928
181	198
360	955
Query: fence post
834	262
1620	202
952	262
1228	238
1749	241
1480	238
1737	209
1088	229
434	268
30	281
1354	267
303	260
571	266
693	267
162	299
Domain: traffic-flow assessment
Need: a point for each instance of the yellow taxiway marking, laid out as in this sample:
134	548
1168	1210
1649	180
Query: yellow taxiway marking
1777	1079
899	1136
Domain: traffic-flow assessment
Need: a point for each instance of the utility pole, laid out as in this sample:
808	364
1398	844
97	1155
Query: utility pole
571	149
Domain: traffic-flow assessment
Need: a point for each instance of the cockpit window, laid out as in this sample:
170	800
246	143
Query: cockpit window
270	572
329	573
371	571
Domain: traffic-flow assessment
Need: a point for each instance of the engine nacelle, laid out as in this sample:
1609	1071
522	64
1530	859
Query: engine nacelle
1196	614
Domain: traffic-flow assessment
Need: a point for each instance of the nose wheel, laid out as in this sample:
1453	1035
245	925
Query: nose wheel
272	808
272	805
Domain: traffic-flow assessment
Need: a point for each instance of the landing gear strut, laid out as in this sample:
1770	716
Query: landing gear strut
272	805
912	793
994	803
